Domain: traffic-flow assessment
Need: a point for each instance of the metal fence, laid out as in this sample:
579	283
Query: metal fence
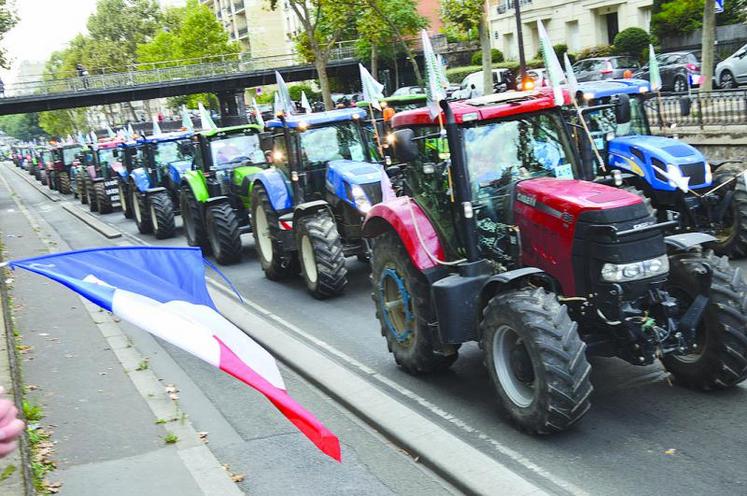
698	108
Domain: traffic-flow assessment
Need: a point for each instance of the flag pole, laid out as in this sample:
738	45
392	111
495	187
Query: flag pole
588	133
375	130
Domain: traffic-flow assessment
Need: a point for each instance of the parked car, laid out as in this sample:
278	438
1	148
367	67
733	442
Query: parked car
502	80
678	70
409	90
732	71
599	68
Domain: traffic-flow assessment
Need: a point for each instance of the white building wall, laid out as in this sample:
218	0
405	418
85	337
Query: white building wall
577	23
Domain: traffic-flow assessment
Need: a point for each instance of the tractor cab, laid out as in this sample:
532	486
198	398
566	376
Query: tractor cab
101	165
214	195
64	158
497	241
674	177
131	157
167	157
325	177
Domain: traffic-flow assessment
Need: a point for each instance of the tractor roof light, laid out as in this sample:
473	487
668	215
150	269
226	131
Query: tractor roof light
527	84
588	96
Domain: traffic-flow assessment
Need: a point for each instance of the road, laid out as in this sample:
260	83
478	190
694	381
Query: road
643	435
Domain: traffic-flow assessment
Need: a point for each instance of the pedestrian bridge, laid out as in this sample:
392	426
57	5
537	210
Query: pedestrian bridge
224	75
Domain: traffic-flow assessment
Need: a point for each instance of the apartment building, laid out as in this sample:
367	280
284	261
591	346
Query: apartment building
261	31
577	23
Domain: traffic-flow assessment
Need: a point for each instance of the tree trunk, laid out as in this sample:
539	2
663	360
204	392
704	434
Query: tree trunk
321	69
708	40
396	73
374	62
400	40
487	63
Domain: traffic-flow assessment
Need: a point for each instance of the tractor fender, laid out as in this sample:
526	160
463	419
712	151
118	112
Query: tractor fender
141	179
216	200
398	215
196	181
152	191
687	241
277	189
309	208
177	170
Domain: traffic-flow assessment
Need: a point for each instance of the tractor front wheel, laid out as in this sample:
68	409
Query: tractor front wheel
719	360
223	233
162	215
102	199
90	189
536	360
124	200
321	254
402	298
194	227
141	211
732	236
64	186
276	263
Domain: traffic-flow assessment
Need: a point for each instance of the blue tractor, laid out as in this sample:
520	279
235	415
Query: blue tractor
308	208
676	179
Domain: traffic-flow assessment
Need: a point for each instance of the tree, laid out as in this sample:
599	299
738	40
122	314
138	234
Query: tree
63	122
323	24
8	19
125	23
632	41
24	127
469	15
709	39
685	16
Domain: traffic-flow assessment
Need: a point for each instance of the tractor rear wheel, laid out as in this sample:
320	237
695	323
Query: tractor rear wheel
64	185
720	359
402	298
536	360
90	189
732	237
162	215
102	199
140	210
223	233
277	264
52	176
194	227
124	200
642	195
321	255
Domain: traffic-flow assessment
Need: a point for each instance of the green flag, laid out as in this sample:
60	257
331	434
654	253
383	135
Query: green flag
653	70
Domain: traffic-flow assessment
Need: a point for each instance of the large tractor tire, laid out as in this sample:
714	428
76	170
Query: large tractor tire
276	263
43	178
103	201
223	233
37	174
642	195
162	215
403	308
720	359
90	192
140	210
64	179
194	226
321	254
82	185
732	238
124	200
536	360
52	180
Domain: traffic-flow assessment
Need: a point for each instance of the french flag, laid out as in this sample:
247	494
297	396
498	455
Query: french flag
162	290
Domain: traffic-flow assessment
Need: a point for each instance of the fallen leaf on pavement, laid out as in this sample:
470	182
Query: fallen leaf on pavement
237	477
31	387
670	451
203	436
53	487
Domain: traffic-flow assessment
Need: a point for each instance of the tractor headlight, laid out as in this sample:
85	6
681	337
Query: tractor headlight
635	270
708	173
360	199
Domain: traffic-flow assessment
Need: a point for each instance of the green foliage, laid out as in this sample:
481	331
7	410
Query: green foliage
496	56
24	127
462	14
32	413
380	22
170	438
596	51
295	92
632	41
559	49
8	19
685	16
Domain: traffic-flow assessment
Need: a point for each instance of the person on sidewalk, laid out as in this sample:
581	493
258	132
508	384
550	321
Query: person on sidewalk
11	427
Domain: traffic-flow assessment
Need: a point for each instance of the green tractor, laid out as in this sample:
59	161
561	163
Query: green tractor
214	197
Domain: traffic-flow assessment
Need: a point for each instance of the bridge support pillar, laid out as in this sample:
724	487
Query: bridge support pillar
232	108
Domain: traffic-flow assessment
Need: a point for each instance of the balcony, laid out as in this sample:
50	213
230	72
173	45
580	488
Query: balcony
506	5
238	7
243	32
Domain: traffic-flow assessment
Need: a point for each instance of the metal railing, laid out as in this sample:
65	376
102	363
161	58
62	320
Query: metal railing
698	108
169	71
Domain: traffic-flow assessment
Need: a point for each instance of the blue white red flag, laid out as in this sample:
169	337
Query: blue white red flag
162	290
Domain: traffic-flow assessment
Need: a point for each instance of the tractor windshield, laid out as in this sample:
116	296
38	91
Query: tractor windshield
69	154
169	152
501	153
233	151
106	157
333	142
602	122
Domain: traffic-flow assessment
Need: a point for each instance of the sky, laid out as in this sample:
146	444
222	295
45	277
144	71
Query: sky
46	26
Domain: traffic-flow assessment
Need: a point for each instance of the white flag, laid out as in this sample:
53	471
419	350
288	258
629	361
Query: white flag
282	95
552	64
305	103
206	122
187	120
156	126
570	76
434	85
372	89
258	114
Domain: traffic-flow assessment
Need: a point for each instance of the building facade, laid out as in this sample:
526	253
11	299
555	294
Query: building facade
577	23
262	32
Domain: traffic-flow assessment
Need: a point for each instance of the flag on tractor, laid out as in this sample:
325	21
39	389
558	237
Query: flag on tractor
282	96
258	114
206	122
187	120
434	89
570	76
109	132
653	69
92	137
162	290
552	64
156	126
131	132
372	89
305	103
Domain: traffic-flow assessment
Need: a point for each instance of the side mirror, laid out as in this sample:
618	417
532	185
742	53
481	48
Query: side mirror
404	148
622	110
685	106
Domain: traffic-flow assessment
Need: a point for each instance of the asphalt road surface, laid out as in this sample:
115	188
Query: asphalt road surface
643	435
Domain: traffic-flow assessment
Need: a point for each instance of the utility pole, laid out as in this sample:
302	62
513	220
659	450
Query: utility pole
520	40
487	53
708	42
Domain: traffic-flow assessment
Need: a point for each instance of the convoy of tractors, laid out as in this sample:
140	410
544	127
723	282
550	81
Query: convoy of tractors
546	233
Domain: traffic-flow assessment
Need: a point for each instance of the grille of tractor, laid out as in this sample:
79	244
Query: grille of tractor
696	172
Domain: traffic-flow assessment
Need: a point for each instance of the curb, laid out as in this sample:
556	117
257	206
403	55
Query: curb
465	467
39	187
92	222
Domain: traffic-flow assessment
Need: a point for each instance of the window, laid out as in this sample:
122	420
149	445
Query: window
232	151
572	39
339	141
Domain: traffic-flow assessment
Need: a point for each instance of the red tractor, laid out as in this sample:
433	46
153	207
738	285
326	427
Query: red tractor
496	242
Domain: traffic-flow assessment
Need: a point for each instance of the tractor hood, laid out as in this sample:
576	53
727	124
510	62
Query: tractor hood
658	159
356	183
